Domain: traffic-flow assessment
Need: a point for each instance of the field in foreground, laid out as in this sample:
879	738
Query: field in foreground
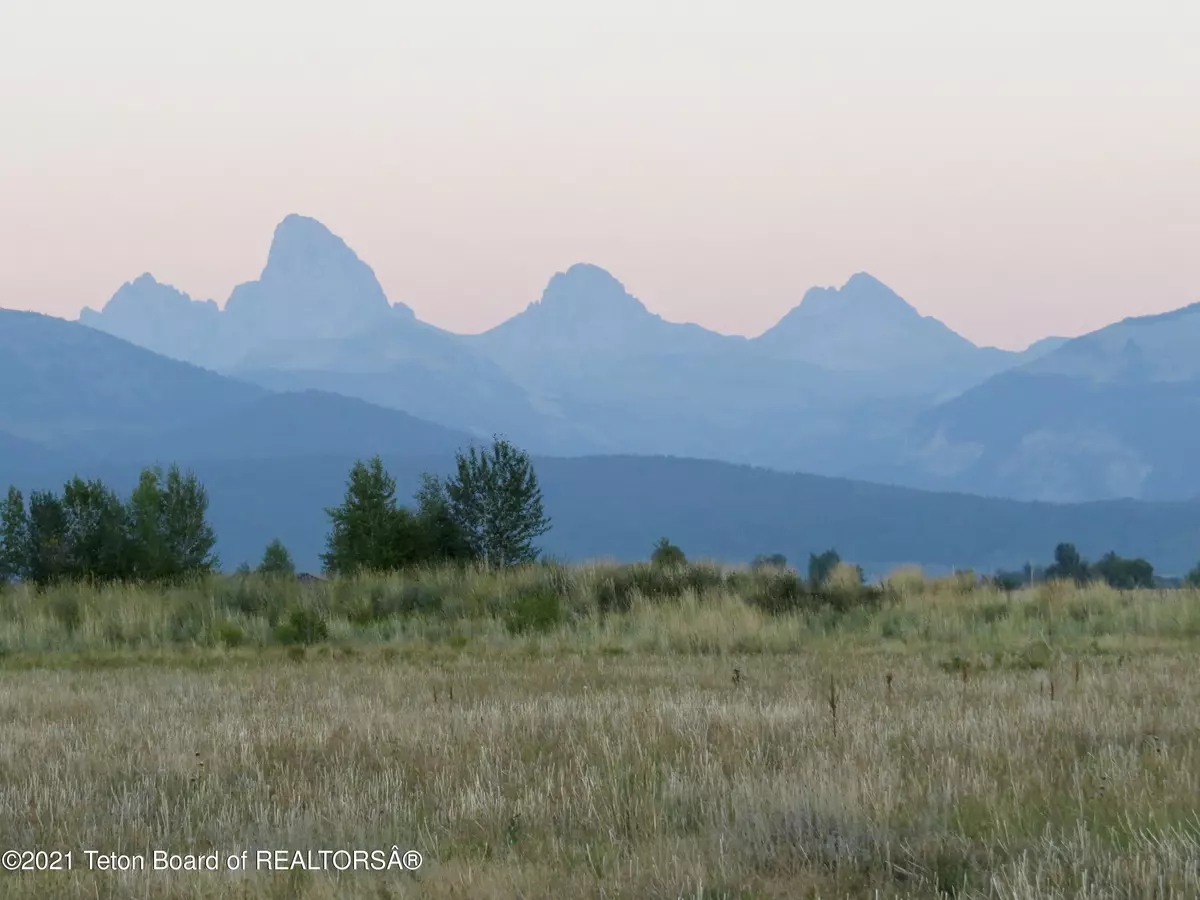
1043	744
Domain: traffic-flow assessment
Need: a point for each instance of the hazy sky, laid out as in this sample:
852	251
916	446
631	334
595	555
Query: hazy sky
1027	170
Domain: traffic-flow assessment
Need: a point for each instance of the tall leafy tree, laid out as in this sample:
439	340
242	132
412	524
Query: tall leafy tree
495	499
366	527
190	539
1068	564
170	537
96	540
1124	574
443	539
145	523
89	533
276	561
14	537
47	561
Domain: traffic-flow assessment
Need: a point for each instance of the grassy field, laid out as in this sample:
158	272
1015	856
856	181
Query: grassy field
572	733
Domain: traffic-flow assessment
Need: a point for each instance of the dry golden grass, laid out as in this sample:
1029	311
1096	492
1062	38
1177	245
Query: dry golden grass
1045	745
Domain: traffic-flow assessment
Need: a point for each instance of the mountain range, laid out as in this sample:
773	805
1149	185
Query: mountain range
852	382
640	426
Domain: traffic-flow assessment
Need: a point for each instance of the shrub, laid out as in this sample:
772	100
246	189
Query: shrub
776	591
1193	577
773	561
821	566
1007	581
1038	655
67	607
229	633
614	591
254	595
302	625
192	618
844	576
276	561
364	601
667	554
992	612
534	611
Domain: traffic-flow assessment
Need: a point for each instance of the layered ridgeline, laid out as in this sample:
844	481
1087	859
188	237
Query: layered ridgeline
853	381
91	404
317	319
76	396
1115	413
584	369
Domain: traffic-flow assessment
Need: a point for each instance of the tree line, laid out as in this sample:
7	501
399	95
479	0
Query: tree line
489	510
1111	569
160	533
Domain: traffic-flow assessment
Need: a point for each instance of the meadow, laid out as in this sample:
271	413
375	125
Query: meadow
604	732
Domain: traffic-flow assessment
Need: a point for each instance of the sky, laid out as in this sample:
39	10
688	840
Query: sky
1016	169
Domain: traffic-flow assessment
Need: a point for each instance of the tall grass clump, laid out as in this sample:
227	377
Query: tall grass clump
441	602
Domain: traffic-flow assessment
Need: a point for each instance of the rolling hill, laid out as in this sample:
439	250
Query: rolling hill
81	396
65	382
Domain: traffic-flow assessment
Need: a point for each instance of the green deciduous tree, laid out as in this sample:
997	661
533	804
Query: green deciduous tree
170	537
370	531
89	533
1068	565
14	537
667	555
772	561
444	539
96	540
1124	574
276	561
364	526
47	536
821	566
495	501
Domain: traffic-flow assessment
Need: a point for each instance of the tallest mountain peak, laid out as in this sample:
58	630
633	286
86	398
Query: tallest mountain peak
300	240
313	285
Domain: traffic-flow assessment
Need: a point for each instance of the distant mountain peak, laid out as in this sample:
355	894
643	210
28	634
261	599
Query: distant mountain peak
865	325
862	294
313	284
588	291
300	241
144	298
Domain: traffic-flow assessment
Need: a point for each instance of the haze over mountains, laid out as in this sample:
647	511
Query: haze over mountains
851	382
310	367
95	405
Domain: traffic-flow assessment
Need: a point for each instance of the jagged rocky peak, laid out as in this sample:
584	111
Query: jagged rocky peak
158	317
313	285
146	291
302	246
146	302
587	291
861	294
